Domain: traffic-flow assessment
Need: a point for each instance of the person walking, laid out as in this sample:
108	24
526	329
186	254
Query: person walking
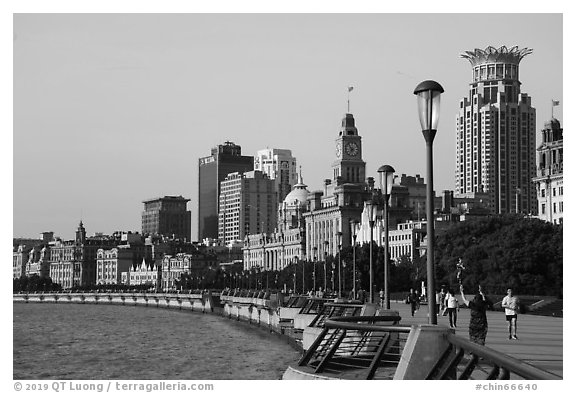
511	305
381	294
478	328
413	300
442	300
438	301
452	307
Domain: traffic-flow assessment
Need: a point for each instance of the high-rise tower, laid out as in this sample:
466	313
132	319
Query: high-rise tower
496	133
167	216
278	165
212	170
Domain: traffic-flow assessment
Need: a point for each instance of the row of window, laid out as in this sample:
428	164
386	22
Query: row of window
556	208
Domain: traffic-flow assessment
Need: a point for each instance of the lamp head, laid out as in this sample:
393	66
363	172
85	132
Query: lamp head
386	179
428	93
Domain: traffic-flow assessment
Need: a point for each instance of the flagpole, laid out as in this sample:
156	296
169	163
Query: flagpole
350	88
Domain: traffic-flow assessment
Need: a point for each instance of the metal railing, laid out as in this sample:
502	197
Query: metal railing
466	360
296	301
334	310
313	305
357	348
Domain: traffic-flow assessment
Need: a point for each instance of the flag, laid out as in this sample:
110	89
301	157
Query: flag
350	88
555	103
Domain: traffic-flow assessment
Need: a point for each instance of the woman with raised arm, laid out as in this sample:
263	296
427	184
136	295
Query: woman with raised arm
478	306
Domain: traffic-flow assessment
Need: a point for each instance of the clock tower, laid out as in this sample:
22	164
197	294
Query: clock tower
349	166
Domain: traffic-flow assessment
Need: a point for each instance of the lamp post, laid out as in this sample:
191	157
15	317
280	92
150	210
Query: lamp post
315	250
339	239
386	182
353	227
371	206
325	262
294	275
428	98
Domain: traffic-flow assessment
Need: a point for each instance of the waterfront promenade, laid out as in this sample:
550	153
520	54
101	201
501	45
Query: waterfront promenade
540	344
540	338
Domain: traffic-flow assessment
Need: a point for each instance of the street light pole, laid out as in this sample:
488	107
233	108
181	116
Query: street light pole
325	262
386	183
371	206
314	266
428	93
354	235
339	238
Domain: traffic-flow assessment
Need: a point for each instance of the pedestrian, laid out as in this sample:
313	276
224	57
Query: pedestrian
478	327
511	304
452	307
438	301
413	300
381	298
443	299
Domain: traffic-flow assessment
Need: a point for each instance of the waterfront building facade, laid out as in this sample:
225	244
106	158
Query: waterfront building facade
167	216
286	244
212	170
193	265
38	261
110	264
280	166
549	179
247	205
496	133
19	259
406	240
143	274
73	262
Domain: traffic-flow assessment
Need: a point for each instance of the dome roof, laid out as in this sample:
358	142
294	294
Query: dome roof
298	195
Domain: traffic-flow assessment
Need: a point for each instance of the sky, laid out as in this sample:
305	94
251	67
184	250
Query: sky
112	109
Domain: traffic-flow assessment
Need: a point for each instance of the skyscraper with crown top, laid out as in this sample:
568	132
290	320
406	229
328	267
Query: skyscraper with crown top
496	133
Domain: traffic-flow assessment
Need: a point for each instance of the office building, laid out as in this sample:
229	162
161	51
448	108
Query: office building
248	203
278	165
167	216
212	170
496	133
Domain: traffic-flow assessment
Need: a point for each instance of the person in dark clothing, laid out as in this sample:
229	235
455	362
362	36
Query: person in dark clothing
413	300
478	328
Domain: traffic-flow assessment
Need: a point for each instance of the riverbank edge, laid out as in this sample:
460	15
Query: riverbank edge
216	309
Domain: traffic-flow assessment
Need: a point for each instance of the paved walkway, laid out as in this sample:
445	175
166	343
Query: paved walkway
540	338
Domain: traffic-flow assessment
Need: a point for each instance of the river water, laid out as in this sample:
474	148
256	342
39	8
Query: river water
76	341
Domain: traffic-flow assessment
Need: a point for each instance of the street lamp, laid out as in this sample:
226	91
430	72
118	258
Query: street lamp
339	240
315	250
428	98
325	262
294	275
353	228
386	183
371	207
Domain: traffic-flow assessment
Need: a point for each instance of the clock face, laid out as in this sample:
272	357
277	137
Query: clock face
352	149
338	150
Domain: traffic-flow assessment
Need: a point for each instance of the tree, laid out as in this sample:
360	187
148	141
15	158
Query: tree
503	251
